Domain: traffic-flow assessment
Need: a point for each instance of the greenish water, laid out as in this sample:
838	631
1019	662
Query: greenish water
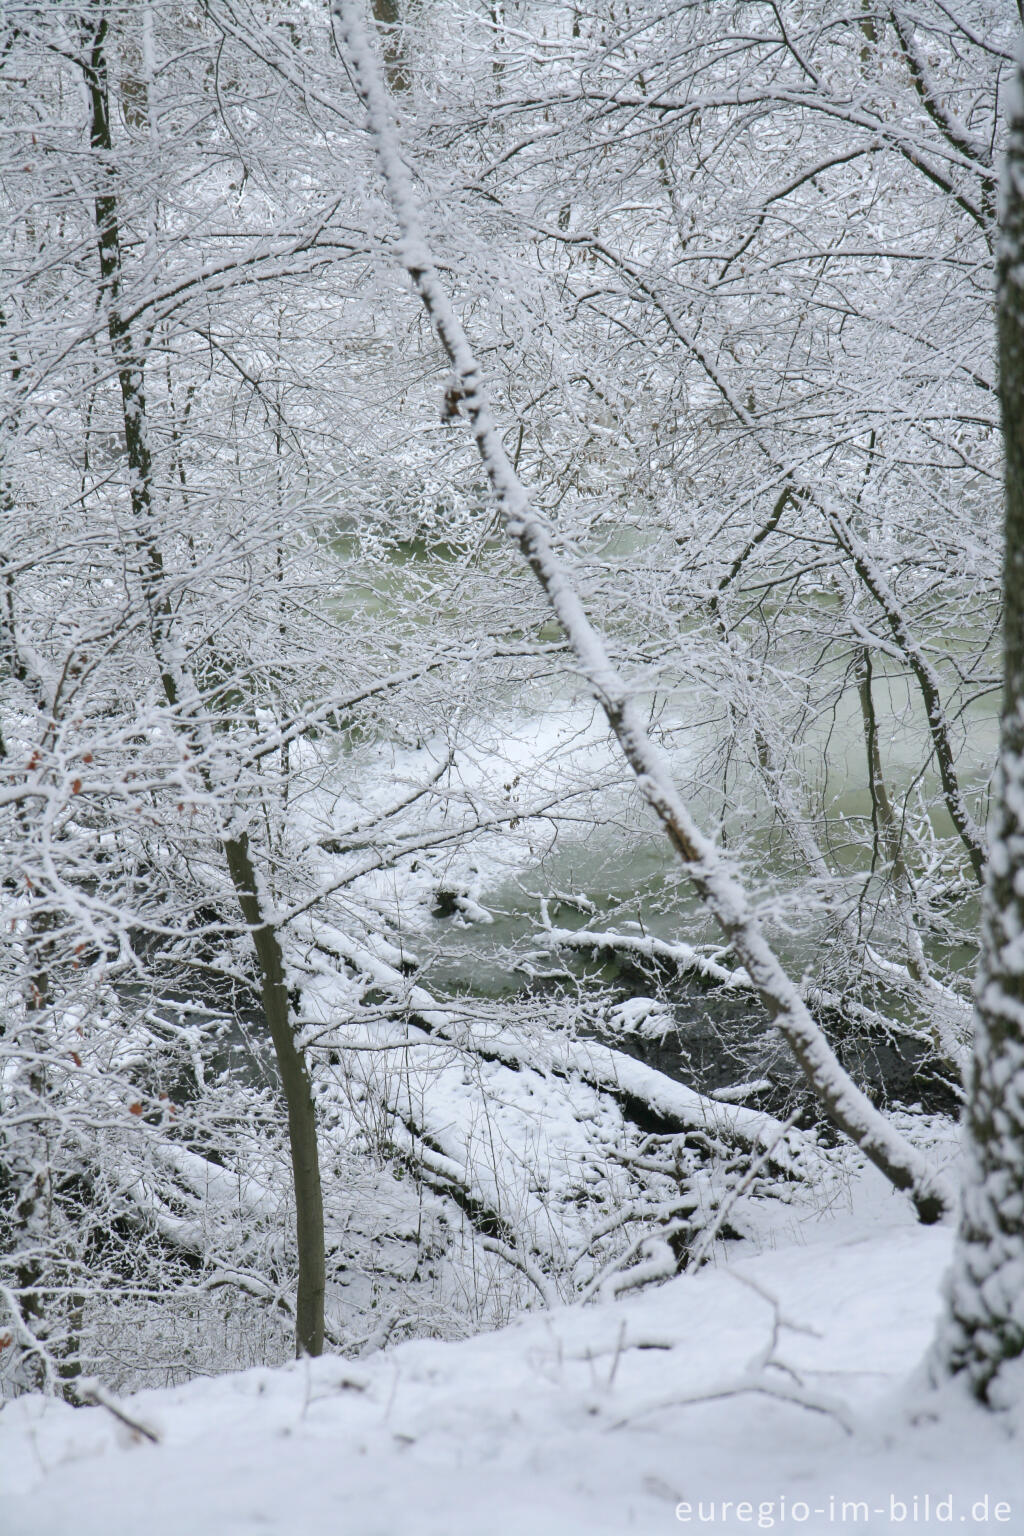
629	874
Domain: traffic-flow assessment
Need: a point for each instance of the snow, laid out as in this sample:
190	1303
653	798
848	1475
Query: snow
779	1376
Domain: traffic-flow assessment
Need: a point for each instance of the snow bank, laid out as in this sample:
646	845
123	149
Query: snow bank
777	1381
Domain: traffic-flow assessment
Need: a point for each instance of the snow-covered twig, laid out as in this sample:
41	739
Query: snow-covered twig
27	1339
91	1391
711	1232
785	1391
658	1262
519	1261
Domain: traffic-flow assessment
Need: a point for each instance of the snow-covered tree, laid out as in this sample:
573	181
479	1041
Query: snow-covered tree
714	882
982	1340
247	643
266	654
166	663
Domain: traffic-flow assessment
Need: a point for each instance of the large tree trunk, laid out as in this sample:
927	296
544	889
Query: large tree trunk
984	1331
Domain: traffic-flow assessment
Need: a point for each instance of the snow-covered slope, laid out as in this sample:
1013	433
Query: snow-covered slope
775	1384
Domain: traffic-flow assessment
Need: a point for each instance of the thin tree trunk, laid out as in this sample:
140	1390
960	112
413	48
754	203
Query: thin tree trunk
309	1205
887	837
295	1084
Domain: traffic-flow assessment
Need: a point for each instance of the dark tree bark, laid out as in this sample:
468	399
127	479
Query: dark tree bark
388	16
309	1205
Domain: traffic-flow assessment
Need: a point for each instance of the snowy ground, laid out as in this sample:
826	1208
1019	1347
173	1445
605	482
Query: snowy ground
769	1393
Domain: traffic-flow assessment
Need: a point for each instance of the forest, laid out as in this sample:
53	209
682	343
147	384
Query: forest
511	678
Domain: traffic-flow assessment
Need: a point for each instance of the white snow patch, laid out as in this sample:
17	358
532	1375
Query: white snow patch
599	1419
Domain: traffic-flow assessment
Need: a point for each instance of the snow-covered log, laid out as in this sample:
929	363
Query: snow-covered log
641	1089
949	1014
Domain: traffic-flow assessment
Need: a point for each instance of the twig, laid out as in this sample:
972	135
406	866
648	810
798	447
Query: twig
522	1263
92	1392
618	1352
787	1392
703	1249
